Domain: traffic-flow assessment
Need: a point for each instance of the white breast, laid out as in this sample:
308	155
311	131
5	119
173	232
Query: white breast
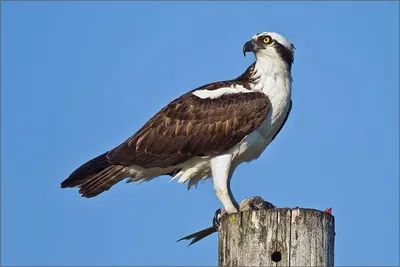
271	79
275	81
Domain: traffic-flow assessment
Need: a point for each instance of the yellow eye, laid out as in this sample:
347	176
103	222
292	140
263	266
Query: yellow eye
267	40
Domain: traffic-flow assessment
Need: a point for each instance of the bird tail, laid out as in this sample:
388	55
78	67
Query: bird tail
95	176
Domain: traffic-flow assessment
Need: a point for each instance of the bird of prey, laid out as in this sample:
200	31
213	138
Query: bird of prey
206	132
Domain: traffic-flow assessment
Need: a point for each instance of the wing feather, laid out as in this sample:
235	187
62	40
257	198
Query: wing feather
191	126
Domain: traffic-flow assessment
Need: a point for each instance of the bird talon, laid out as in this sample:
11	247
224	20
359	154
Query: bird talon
219	213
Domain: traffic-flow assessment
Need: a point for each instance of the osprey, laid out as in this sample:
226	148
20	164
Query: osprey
206	132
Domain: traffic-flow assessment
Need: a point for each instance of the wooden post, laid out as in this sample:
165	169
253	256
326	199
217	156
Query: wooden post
277	237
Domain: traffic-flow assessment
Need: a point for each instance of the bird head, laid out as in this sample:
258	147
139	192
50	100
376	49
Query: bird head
270	45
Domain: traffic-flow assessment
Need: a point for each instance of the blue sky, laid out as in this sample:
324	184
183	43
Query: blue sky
78	78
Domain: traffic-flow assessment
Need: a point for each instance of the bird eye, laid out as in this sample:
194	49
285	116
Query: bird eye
267	40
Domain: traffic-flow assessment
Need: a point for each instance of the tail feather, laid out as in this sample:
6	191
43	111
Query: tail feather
103	181
95	176
86	171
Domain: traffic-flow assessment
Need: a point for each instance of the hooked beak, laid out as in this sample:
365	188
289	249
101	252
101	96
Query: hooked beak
248	47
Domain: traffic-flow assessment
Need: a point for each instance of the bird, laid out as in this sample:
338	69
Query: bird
206	132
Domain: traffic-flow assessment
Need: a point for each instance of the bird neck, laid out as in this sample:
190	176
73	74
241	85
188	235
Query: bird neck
272	77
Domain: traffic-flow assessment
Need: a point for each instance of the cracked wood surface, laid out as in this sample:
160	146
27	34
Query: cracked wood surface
277	237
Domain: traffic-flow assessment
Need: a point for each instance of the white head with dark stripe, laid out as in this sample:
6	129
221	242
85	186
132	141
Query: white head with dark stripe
272	46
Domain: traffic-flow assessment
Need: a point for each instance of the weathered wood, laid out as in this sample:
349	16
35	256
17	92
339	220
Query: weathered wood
277	237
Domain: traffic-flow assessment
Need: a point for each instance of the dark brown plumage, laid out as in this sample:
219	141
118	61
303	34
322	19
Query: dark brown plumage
86	171
187	127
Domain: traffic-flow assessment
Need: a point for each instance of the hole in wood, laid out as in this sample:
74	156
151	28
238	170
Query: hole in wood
276	256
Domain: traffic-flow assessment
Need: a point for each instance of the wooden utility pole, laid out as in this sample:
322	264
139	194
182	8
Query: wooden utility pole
277	237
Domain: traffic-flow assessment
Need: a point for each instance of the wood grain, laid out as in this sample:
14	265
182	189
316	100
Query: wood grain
277	237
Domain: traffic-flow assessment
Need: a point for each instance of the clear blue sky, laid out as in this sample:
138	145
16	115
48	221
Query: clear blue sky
79	78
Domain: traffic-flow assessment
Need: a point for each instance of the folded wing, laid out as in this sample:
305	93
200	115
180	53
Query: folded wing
191	126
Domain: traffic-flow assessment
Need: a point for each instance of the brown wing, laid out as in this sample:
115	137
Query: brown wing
190	126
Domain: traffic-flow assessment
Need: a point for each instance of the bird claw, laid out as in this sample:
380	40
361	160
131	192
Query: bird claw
219	213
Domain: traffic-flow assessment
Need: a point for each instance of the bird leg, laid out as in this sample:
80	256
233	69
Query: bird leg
220	168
